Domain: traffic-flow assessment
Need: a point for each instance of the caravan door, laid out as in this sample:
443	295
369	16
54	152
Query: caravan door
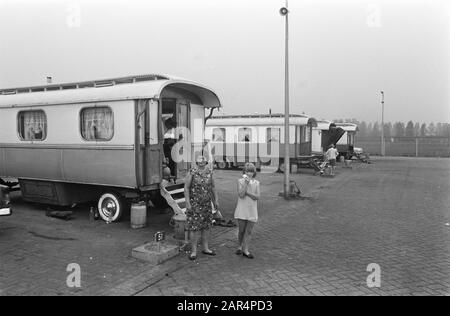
183	135
198	132
152	145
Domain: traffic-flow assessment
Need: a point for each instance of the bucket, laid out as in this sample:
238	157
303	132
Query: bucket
178	223
348	163
138	215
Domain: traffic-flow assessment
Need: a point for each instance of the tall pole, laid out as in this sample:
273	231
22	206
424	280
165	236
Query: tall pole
382	125
287	166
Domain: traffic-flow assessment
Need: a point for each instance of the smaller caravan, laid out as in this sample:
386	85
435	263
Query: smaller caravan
325	134
346	144
237	139
101	140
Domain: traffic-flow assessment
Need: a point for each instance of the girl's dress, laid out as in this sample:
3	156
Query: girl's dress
246	208
200	216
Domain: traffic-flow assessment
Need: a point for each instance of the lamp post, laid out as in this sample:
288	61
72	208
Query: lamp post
287	166
382	125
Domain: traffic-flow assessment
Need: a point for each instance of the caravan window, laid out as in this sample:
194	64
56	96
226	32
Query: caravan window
308	133
97	124
245	135
32	125
219	135
272	135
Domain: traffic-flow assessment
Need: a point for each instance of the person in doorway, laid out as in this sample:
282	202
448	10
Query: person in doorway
200	195
331	156
169	141
246	211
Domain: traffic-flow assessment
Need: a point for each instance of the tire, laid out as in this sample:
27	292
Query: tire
281	167
110	207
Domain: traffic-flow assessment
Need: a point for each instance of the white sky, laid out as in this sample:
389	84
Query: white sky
343	52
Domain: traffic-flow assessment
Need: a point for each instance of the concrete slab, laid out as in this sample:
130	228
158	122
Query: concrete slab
155	253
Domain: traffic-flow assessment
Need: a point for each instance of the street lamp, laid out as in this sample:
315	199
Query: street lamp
287	166
382	125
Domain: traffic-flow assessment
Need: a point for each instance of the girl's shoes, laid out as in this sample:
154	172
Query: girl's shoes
248	255
239	252
192	257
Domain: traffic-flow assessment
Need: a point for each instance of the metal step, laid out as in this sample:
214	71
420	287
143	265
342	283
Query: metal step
175	187
175	191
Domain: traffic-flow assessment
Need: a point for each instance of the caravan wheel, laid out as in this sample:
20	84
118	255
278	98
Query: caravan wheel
110	207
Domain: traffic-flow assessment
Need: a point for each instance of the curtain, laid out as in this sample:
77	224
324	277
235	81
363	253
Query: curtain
97	123
273	135
33	125
245	135
218	135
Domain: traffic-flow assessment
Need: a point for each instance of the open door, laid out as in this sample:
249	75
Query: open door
331	136
183	127
153	146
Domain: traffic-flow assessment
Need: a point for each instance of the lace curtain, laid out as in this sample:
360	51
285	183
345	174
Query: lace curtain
218	135
33	125
97	124
245	135
273	135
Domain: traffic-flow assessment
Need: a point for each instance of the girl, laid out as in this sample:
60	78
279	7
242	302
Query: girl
246	210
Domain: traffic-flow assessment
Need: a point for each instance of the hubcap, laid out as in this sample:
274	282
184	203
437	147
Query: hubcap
109	207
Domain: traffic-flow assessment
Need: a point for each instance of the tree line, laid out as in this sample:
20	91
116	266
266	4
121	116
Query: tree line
399	129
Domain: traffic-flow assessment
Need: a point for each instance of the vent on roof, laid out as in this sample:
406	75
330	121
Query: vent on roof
100	84
52	88
67	87
6	92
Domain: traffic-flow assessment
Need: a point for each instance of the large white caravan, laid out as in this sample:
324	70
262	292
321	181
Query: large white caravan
75	142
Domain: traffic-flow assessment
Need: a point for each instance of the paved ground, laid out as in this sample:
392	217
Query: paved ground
392	213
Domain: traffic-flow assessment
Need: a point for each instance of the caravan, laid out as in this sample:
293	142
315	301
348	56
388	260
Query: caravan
98	140
237	139
325	134
346	144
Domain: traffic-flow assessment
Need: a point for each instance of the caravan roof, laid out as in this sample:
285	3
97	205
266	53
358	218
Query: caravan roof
348	127
324	125
260	120
123	88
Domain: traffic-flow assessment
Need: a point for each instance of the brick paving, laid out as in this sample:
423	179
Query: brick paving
392	213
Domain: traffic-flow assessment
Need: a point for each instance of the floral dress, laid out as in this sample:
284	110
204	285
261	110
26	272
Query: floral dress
200	216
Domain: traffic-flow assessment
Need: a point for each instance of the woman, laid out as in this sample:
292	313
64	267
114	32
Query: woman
246	210
200	194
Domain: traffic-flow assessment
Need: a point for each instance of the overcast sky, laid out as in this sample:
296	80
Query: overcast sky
343	52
